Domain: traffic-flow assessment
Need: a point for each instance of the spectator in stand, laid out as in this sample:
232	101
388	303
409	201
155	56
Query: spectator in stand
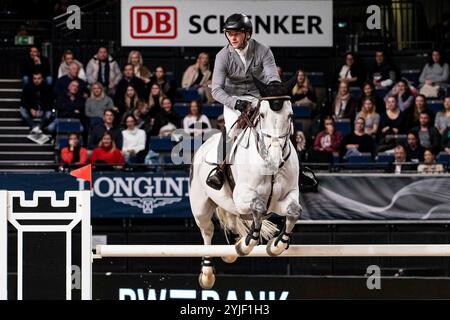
129	79
62	83
429	136
344	105
198	76
446	140
107	153
303	93
414	151
382	74
168	88
434	74
220	123
155	100
357	142
327	142
70	106
368	91
413	114
195	123
97	103
392	122
140	71
442	120
35	63
280	73
66	60
36	102
300	146
133	141
400	164
128	102
351	72
402	91
142	115
430	165
104	69
166	121
370	116
74	153
98	131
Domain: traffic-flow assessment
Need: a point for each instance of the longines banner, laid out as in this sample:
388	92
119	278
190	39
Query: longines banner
195	23
340	197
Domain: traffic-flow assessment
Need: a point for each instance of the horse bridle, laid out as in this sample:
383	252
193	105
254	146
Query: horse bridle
260	142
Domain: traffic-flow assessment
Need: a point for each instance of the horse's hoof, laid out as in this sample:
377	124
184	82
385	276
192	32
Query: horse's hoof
273	250
229	259
206	281
242	249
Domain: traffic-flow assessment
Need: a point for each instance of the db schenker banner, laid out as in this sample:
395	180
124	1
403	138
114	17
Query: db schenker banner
195	23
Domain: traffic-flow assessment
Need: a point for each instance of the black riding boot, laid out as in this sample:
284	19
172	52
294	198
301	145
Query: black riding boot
216	177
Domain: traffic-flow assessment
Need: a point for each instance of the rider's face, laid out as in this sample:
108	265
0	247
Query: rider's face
236	39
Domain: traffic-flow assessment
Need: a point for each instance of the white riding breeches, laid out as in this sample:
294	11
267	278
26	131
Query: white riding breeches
231	115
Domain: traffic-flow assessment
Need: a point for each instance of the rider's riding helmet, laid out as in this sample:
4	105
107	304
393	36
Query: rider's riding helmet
238	22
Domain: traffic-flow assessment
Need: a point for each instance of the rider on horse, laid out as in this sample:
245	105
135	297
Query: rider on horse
236	65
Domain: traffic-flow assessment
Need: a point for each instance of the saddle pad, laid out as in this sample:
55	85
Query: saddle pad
211	155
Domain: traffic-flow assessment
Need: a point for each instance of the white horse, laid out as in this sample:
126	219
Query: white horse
265	171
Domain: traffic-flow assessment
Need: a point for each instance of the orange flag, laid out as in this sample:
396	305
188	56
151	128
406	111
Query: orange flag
84	173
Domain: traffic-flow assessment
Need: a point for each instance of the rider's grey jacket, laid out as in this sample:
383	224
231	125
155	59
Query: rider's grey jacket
230	78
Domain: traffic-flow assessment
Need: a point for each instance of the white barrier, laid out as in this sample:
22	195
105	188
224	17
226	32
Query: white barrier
335	250
45	214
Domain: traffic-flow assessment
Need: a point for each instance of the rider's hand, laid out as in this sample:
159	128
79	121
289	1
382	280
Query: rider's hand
241	105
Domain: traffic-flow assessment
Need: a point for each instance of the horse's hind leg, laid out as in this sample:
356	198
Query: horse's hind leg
203	210
292	209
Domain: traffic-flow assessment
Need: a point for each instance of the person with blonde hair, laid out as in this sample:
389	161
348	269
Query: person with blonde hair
97	103
107	152
64	68
370	116
198	75
303	93
140	71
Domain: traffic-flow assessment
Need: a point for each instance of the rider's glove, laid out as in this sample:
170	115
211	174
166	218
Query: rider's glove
241	105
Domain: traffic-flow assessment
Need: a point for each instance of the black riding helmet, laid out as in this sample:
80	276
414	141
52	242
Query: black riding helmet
238	22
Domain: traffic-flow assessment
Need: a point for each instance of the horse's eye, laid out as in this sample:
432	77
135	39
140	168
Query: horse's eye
262	115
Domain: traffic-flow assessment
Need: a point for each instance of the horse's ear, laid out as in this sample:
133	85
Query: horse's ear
260	85
290	84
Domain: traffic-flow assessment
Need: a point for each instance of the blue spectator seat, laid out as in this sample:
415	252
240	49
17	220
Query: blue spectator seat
355	92
62	141
381	92
189	95
443	158
448	91
301	111
344	126
68	125
364	158
435	105
385	157
158	144
411	75
317	79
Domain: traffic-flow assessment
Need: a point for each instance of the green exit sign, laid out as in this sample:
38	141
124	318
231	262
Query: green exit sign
24	40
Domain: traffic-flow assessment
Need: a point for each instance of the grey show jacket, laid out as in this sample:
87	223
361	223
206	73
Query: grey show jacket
230	79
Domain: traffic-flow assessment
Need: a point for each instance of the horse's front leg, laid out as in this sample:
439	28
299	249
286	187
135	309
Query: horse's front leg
248	201
291	208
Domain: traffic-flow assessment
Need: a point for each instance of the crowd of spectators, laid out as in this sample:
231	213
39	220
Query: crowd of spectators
120	107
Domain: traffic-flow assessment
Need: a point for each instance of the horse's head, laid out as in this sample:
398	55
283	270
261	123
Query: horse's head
275	122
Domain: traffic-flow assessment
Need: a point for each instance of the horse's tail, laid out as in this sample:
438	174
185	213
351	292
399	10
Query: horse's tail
232	223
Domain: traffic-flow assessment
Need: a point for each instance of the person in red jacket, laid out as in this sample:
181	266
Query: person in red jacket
74	153
107	152
327	142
